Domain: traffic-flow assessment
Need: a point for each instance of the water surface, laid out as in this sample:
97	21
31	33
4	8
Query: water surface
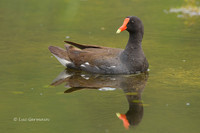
164	100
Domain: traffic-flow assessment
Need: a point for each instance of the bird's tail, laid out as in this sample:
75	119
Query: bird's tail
61	55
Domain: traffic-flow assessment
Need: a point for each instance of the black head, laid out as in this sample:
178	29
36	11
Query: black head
135	25
132	24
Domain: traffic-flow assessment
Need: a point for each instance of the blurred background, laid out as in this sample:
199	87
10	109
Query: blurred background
171	44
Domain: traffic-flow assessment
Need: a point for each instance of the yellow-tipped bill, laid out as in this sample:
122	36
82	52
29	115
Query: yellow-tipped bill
123	27
118	31
118	114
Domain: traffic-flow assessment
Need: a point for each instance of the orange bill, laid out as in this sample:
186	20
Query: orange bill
124	119
123	27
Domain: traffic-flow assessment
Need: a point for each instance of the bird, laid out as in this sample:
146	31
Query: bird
106	60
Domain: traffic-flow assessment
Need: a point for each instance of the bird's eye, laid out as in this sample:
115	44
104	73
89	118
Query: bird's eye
132	21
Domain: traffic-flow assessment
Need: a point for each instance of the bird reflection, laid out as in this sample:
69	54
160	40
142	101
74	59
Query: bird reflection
132	85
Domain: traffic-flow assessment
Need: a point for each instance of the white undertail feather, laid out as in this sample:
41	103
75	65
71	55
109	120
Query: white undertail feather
64	62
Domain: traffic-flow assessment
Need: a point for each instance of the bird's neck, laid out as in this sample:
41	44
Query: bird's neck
134	42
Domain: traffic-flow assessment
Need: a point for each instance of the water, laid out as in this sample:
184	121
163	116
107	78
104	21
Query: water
164	100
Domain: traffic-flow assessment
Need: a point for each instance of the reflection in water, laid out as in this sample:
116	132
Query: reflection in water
132	85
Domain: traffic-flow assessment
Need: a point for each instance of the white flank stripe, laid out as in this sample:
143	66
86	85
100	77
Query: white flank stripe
87	63
83	65
107	89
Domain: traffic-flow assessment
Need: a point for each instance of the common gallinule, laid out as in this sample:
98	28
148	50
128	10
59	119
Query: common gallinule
105	60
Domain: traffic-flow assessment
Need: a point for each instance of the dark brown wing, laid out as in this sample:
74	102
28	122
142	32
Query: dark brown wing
93	56
82	46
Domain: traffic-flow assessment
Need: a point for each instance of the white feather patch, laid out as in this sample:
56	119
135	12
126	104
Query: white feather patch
107	89
85	77
111	67
64	62
87	63
83	65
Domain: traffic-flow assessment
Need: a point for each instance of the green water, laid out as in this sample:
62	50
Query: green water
165	100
